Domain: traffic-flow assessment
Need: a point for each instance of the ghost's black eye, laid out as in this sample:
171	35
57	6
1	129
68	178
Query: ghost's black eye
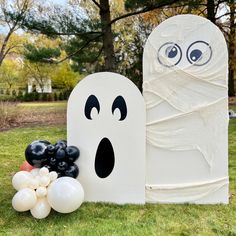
169	54
199	53
91	104
119	108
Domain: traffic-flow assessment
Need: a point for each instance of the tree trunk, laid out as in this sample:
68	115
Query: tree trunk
231	91
231	50
109	54
211	14
4	45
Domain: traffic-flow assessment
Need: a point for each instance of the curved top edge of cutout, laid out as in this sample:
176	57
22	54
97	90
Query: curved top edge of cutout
104	75
188	22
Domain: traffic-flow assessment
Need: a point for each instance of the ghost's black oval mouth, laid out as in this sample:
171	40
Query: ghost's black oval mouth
105	158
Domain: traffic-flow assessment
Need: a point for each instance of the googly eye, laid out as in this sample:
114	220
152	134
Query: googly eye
199	53
169	54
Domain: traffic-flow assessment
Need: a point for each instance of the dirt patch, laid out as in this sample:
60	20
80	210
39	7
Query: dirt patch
43	118
16	116
36	120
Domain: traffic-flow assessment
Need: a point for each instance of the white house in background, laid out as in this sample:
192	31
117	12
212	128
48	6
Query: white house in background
34	85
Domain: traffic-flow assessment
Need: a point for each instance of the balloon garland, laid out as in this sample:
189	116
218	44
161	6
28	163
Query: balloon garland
58	157
47	174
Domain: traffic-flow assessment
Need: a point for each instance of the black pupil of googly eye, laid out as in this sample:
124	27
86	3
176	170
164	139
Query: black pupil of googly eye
171	51
195	55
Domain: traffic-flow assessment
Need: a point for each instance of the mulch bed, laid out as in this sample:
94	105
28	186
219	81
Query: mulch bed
36	119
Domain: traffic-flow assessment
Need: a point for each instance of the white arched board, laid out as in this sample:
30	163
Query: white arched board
106	121
185	66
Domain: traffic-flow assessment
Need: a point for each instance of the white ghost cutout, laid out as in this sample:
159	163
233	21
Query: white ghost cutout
185	66
106	121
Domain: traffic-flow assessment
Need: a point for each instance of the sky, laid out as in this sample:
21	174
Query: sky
221	11
61	2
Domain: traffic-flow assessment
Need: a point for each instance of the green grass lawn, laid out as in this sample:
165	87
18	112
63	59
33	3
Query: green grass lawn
109	219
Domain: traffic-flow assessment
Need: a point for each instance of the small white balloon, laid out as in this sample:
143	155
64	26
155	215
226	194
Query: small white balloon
65	194
53	175
38	177
41	209
33	183
43	171
44	181
24	200
21	180
35	172
41	192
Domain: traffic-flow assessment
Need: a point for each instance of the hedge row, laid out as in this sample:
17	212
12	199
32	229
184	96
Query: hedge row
30	97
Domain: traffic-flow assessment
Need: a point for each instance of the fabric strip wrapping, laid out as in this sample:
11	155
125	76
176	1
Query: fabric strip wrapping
201	100
196	96
184	192
177	134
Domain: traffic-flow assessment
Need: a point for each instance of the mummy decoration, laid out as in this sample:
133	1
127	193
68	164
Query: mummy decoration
185	90
106	121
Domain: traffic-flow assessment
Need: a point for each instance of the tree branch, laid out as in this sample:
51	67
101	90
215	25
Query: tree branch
97	4
228	13
4	45
144	10
80	49
203	11
64	33
99	54
9	49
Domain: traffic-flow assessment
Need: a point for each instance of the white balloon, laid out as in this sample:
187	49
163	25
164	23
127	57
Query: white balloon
44	181
65	194
33	183
43	171
35	172
53	175
21	180
41	192
41	209
38	177
24	200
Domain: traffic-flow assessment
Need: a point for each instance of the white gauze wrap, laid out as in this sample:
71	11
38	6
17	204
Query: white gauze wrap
187	112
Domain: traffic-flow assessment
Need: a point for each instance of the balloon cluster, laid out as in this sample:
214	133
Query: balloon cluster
58	157
39	190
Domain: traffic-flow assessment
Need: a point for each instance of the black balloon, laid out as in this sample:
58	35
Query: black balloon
41	141
51	150
44	141
72	153
58	157
60	174
52	161
35	153
61	144
72	171
60	154
62	166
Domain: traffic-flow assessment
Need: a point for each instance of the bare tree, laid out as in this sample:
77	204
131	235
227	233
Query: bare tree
10	25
